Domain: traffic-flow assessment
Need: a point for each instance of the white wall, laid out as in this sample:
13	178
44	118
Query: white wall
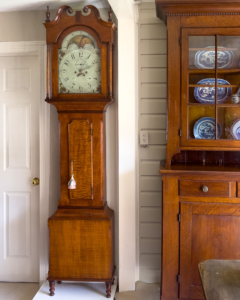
152	117
126	158
112	150
127	107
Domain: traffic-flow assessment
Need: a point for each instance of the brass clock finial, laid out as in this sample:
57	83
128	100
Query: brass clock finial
110	13
47	15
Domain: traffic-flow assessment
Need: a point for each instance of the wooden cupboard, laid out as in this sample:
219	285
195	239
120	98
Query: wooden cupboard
201	174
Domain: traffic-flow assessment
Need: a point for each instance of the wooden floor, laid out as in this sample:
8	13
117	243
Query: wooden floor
18	291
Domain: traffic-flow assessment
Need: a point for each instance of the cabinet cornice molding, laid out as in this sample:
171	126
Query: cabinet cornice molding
196	8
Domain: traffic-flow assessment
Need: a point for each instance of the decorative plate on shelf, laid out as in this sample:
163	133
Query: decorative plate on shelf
204	129
206	59
235	130
205	94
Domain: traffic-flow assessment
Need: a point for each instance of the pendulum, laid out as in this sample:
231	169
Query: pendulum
72	182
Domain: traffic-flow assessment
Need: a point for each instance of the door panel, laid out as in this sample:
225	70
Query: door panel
207	231
19	164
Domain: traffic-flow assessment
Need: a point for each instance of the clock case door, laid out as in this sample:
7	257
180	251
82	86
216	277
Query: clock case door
82	141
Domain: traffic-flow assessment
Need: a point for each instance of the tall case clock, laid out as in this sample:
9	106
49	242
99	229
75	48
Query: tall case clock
80	86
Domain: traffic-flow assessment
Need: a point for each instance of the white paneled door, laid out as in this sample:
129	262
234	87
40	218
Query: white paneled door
19	164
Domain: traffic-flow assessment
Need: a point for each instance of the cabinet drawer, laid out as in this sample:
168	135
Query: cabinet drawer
205	188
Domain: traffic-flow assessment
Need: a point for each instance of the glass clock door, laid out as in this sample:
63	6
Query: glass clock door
210	63
79	63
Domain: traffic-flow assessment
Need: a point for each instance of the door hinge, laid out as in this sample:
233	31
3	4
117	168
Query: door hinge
91	131
180	132
178	278
180	41
179	217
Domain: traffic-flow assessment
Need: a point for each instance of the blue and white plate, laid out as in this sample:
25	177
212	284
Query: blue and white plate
206	59
204	129
235	130
207	94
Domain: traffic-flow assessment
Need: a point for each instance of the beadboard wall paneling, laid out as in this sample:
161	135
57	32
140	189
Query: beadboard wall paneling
150	199
150	245
154	61
151	183
154	75
152	117
153	152
153	106
153	90
149	168
153	46
151	260
152	32
150	230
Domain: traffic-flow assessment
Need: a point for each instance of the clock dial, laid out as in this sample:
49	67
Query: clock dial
79	64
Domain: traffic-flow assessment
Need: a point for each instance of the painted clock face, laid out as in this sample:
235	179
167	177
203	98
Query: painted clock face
79	64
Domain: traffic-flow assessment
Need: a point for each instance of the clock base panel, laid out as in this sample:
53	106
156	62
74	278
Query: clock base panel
81	246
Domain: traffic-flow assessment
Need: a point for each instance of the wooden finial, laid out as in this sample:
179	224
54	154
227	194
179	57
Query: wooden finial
85	9
70	10
110	13
47	15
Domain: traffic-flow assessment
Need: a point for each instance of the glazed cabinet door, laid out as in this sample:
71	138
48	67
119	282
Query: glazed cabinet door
207	231
210	63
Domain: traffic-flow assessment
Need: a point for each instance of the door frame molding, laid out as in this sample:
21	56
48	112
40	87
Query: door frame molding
38	48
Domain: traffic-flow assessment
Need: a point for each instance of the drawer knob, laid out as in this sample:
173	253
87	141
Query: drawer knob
205	189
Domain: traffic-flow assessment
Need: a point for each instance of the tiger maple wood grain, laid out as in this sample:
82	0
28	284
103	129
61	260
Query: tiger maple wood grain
80	152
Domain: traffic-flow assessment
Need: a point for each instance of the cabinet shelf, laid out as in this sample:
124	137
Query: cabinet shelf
213	85
194	167
213	49
213	105
212	71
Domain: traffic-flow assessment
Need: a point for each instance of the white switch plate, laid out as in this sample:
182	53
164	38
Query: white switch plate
143	137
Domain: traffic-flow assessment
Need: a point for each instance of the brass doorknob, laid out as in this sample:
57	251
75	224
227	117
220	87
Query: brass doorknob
35	181
205	189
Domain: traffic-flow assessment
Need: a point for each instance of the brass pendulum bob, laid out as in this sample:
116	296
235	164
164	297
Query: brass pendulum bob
72	182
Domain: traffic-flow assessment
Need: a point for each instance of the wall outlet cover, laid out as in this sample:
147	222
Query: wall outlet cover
143	137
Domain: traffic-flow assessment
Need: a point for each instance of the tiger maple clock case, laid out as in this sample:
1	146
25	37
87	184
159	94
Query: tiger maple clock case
201	174
80	86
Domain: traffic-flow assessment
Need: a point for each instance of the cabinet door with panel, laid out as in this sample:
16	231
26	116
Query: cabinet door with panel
207	231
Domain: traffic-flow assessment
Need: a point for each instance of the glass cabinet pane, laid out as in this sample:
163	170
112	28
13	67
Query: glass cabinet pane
201	122
211	89
228	52
231	78
229	119
201	88
201	52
